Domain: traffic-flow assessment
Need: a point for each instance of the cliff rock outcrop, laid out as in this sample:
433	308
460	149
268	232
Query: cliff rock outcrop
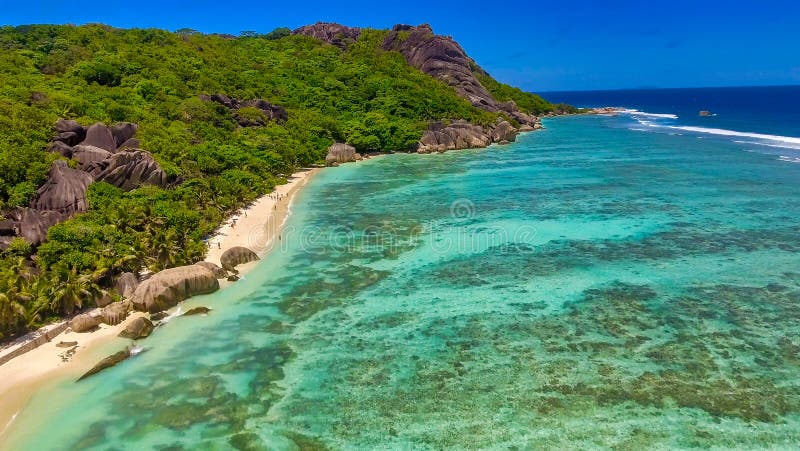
128	170
170	286
332	33
64	191
271	112
442	137
108	154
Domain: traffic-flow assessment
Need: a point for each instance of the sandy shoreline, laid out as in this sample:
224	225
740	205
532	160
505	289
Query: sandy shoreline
255	227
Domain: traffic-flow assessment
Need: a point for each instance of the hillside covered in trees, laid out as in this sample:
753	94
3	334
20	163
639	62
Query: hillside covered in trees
216	158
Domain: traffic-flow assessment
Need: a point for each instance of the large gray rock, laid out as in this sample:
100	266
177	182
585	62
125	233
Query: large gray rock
460	134
236	256
130	144
123	132
440	57
116	312
88	155
64	191
129	170
86	321
166	288
332	33
504	131
219	273
137	329
60	148
70	126
98	135
125	284
32	225
341	153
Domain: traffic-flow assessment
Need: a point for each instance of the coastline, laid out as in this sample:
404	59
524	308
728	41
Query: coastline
254	226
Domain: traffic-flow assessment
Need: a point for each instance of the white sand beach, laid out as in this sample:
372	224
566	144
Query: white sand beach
255	227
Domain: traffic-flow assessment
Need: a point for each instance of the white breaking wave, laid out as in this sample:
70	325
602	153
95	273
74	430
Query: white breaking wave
789	159
633	112
775	139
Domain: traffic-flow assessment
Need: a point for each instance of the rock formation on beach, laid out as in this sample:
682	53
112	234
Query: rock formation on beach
236	256
442	137
137	329
339	153
170	286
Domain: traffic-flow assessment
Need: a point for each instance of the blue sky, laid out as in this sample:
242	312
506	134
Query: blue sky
539	46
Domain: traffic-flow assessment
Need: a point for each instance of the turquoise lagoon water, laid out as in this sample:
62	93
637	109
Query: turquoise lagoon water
589	286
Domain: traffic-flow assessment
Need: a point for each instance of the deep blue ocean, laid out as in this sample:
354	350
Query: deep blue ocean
739	113
609	282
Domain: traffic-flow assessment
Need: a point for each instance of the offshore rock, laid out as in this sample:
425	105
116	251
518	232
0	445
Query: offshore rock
236	256
332	33
107	362
341	153
137	329
197	311
98	135
170	286
64	191
129	170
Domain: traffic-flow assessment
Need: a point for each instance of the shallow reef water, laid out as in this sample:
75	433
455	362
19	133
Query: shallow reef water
586	287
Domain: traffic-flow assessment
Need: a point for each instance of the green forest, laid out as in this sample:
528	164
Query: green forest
361	95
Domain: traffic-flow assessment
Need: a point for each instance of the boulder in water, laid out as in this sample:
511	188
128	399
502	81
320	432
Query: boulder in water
107	362
197	311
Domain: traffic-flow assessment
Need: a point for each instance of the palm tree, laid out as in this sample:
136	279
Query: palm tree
70	290
12	314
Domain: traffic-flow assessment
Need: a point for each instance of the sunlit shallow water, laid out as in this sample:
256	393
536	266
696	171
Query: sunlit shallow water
589	286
